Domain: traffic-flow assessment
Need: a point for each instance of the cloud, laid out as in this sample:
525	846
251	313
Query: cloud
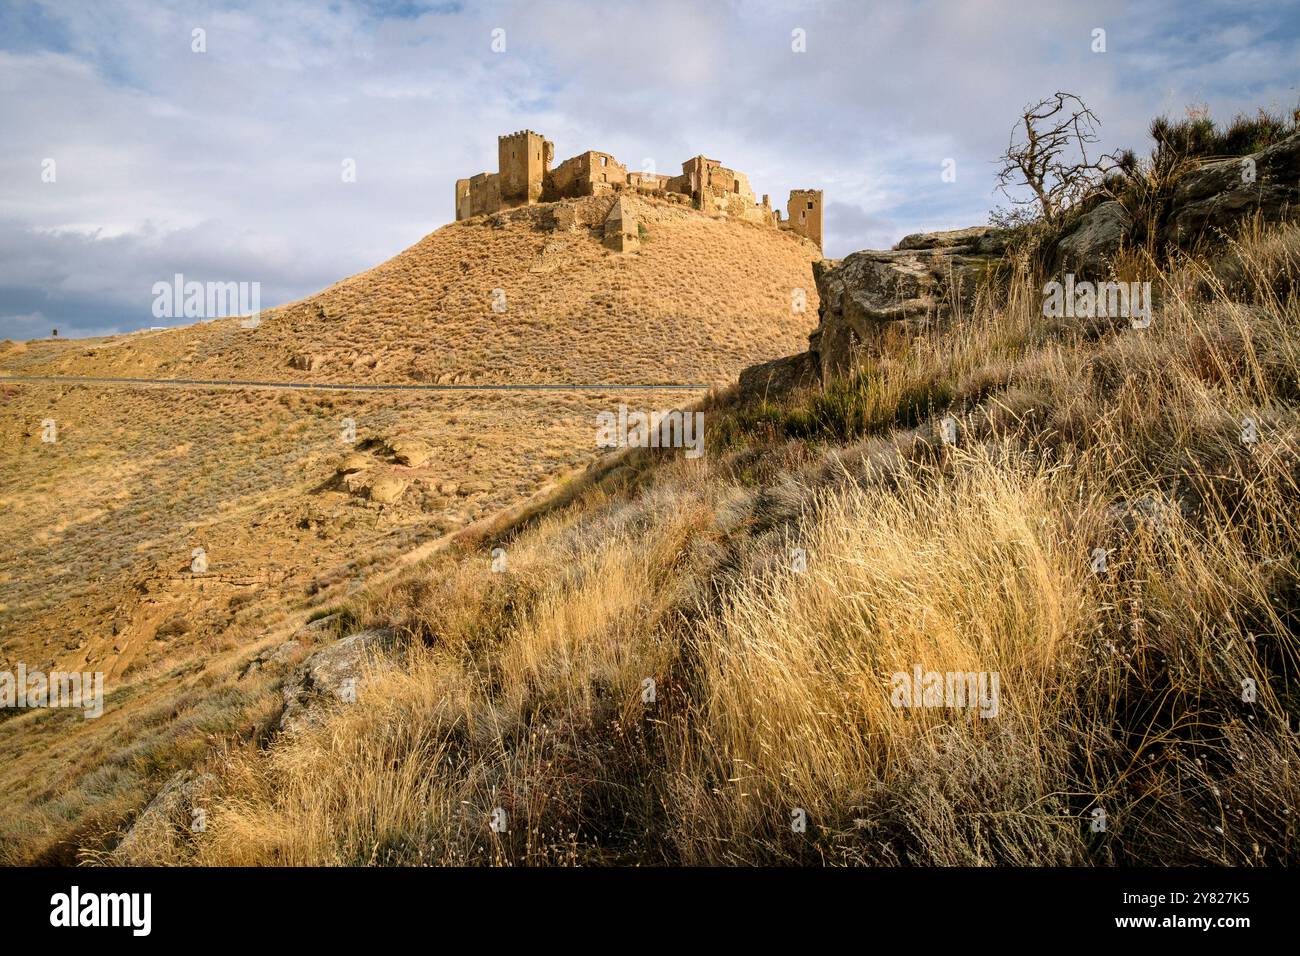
226	165
849	228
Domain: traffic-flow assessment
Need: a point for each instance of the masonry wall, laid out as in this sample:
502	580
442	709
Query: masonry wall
584	175
652	181
694	179
720	190
728	192
680	184
477	196
462	199
525	176
523	160
804	214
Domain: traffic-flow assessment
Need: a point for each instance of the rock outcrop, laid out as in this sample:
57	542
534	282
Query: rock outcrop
870	297
166	823
307	362
873	295
1206	201
353	463
278	656
778	378
1087	251
336	672
410	451
1267	182
386	489
983	240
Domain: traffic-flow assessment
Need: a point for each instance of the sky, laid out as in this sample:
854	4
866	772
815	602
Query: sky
128	154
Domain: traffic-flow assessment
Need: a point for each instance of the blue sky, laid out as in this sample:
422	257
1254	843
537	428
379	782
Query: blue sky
226	165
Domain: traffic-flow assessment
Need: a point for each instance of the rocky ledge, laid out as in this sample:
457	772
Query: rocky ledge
873	296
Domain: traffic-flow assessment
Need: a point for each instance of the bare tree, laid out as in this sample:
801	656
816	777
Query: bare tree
1048	152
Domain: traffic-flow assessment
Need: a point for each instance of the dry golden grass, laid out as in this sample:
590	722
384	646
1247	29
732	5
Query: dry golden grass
1121	692
100	526
523	690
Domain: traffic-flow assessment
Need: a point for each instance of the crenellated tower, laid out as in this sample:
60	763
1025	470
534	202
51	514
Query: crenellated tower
523	160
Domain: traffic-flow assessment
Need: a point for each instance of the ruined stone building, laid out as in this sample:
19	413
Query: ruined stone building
524	176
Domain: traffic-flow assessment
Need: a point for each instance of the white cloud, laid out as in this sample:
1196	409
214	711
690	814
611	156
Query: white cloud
228	163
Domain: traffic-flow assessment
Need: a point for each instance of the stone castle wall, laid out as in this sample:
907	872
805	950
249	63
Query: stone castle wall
524	176
804	212
585	175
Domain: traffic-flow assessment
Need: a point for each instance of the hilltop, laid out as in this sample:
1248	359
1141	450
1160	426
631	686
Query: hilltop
701	298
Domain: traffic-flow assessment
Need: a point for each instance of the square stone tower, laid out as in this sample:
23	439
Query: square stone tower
621	232
523	160
805	214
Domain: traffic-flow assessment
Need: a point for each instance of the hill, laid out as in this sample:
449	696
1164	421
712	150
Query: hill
701	299
970	581
713	664
292	512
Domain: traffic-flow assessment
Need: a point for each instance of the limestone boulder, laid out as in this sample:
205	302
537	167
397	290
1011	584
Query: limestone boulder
353	463
1087	251
275	657
986	240
774	380
387	489
357	483
307	361
1218	193
410	451
873	295
166	823
335	673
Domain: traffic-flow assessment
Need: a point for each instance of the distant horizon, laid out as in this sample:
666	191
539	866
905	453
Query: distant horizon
152	139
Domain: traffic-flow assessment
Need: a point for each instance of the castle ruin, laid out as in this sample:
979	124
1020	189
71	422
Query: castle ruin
524	176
